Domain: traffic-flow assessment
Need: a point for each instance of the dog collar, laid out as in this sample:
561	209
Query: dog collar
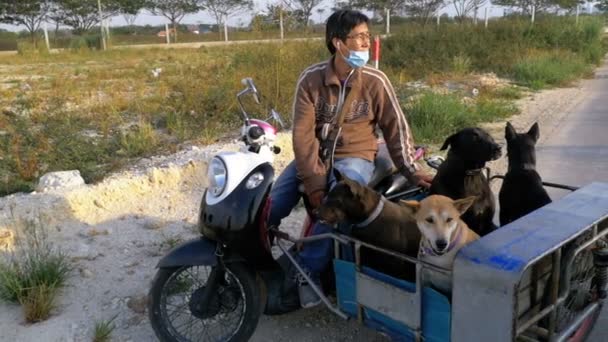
373	215
473	172
429	251
525	166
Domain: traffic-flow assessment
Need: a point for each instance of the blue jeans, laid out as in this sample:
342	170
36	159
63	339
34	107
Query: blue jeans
315	256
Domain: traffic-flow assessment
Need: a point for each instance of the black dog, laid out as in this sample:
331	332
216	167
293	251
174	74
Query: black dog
522	189
461	175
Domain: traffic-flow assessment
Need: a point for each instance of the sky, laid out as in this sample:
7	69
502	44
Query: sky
146	18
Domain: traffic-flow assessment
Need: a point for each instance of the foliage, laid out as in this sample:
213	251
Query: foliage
29	13
222	9
174	10
82	15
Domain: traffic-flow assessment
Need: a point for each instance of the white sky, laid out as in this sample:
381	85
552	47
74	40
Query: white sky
146	18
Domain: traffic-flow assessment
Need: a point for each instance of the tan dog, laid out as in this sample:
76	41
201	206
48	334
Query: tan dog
443	234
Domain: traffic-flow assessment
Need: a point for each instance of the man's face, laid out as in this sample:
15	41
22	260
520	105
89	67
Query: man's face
358	39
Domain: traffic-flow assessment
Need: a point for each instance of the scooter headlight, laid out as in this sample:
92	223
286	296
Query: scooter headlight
216	173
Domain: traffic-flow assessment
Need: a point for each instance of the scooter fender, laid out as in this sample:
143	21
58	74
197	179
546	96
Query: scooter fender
191	253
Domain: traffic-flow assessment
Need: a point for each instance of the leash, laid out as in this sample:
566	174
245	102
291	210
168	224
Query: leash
373	215
429	251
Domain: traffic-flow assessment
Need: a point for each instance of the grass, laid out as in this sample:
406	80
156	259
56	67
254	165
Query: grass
435	116
34	273
549	69
103	330
97	111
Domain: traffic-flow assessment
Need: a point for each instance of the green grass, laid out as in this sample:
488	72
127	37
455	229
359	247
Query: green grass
97	111
103	330
549	69
435	116
34	273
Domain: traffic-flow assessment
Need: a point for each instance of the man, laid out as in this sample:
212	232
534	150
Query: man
364	97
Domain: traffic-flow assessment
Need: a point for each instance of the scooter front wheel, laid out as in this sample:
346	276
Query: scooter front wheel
178	312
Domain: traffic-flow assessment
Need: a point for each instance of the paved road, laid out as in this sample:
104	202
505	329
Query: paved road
576	153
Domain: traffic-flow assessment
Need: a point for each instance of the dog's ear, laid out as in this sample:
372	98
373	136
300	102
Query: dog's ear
464	203
449	141
412	206
534	132
510	132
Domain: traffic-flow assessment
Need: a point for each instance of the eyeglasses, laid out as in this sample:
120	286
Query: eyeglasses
361	37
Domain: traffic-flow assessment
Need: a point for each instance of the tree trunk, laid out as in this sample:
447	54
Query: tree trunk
175	30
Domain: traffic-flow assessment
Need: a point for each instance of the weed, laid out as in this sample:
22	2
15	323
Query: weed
508	93
103	330
435	116
34	272
461	65
141	140
549	69
38	302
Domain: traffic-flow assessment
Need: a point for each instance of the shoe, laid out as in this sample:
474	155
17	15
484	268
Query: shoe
308	296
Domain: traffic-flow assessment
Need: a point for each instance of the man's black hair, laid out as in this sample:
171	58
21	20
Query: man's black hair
340	23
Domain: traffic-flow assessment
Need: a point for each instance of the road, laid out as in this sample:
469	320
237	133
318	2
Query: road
576	153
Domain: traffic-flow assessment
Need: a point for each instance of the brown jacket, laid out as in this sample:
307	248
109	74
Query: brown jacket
375	102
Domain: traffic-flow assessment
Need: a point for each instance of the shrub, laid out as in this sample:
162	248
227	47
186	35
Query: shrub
34	273
549	69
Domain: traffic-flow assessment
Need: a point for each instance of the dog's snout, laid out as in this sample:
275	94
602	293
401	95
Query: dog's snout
441	244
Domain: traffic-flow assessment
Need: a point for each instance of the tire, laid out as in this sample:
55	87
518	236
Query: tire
171	299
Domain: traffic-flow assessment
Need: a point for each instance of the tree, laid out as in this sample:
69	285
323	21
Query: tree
222	9
174	10
465	8
82	15
602	6
526	5
379	7
29	13
131	9
306	7
423	9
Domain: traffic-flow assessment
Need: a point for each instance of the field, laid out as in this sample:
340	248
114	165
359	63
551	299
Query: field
97	111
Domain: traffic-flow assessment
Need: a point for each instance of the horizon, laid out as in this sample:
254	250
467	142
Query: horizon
201	17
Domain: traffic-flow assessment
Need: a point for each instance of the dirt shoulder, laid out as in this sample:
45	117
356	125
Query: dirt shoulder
117	230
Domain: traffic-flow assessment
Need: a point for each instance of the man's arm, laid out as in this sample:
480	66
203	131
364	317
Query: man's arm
396	131
305	144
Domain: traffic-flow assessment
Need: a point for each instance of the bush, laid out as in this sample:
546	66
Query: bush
32	275
435	116
549	69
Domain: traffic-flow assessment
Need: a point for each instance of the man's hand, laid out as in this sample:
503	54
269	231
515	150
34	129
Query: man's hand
423	179
316	198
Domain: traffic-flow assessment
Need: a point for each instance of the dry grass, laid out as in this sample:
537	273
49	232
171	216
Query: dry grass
33	273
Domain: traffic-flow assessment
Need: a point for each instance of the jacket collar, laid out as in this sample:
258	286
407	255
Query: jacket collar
331	77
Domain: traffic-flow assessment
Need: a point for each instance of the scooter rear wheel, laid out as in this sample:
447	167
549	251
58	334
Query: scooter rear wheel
231	314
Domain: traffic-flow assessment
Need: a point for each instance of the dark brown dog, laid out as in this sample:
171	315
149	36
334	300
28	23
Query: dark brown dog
461	175
375	220
522	189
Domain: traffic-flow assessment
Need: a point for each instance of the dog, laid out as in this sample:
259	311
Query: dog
376	221
443	234
461	175
522	190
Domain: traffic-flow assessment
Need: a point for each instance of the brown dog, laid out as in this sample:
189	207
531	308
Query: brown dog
444	233
375	220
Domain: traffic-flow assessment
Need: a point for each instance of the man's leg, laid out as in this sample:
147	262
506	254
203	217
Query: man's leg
315	256
284	195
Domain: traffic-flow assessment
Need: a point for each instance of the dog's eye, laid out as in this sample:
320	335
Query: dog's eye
429	219
448	220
